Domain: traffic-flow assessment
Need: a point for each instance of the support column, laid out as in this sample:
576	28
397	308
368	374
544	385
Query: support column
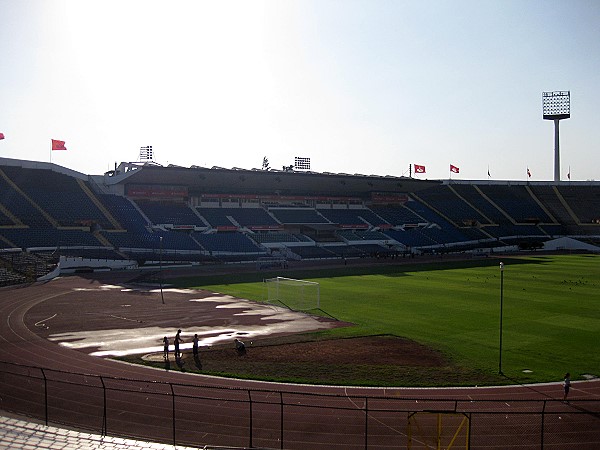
556	151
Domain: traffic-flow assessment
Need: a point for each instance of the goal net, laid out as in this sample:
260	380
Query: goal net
297	295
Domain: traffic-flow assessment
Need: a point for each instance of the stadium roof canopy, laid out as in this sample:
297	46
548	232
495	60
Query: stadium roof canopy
221	180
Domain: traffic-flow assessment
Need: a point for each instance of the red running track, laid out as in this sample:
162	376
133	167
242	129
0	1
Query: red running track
196	410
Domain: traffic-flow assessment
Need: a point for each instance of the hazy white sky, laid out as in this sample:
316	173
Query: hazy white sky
359	86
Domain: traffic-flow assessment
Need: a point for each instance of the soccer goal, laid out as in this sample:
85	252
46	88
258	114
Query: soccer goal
297	295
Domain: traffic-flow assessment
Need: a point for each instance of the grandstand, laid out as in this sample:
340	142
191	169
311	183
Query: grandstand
146	213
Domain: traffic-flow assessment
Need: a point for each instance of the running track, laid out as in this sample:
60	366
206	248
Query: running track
336	421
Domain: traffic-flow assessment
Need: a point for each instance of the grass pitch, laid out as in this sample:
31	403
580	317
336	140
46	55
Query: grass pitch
551	310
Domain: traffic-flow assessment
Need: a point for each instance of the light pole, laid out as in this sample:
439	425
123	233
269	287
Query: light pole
556	106
501	313
160	271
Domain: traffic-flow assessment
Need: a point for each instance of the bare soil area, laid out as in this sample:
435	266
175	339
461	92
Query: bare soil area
367	361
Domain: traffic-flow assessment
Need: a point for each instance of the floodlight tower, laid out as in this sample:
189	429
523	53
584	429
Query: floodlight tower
556	106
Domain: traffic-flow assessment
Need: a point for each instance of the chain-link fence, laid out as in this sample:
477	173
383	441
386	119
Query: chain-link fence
199	415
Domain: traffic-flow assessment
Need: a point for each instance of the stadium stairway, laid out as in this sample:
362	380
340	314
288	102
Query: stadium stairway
98	235
504	213
566	205
99	205
541	205
9	243
470	204
12	184
11	216
437	211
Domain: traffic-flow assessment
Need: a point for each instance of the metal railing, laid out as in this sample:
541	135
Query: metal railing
198	415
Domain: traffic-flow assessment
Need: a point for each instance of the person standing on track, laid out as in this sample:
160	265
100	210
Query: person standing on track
195	346
166	348
178	340
567	386
195	351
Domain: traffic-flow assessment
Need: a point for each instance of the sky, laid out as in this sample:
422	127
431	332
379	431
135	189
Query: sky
357	86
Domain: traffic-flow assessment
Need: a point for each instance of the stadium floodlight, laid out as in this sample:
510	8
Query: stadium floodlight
556	106
146	153
301	163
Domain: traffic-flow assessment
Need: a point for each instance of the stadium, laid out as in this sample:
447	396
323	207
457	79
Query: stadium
141	224
215	215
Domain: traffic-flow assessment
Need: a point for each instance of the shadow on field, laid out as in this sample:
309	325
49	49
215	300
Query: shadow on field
397	271
332	269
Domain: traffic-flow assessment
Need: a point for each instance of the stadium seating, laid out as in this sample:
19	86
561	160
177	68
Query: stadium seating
277	237
352	217
27	238
124	211
399	215
171	240
8	277
5	220
448	203
549	196
231	242
19	205
45	208
411	237
58	195
170	213
517	202
313	252
583	201
244	217
298	216
471	194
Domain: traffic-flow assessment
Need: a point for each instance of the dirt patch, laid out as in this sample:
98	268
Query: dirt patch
362	361
374	350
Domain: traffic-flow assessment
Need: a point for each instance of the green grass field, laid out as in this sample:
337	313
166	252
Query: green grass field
551	309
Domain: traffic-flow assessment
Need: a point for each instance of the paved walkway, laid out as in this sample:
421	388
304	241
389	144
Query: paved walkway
17	434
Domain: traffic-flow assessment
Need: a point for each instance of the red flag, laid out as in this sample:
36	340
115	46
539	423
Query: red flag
454	169
528	173
419	169
1	135
58	145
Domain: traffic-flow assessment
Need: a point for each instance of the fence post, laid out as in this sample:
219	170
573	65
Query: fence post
173	395
281	412
542	430
469	432
104	412
250	415
366	422
45	395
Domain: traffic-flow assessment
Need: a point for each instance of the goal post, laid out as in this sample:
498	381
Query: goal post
297	295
